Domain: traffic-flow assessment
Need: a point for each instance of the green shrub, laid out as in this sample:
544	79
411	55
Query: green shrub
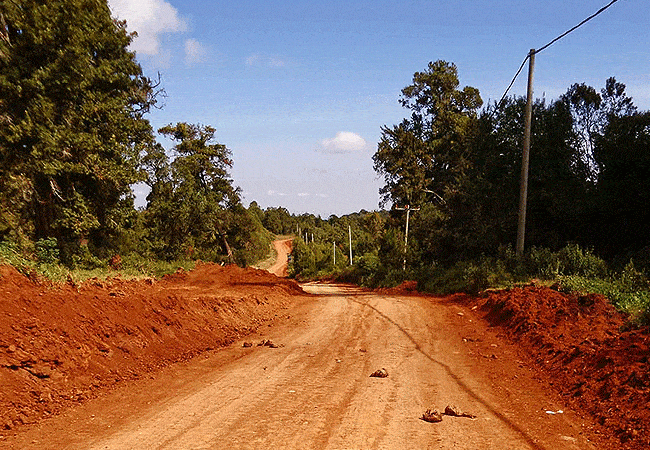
11	255
255	249
575	261
47	251
571	260
628	291
634	279
467	276
542	263
84	259
365	268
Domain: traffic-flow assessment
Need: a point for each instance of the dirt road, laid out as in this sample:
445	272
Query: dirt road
314	390
283	249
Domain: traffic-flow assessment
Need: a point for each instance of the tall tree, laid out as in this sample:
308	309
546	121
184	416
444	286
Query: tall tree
591	112
72	100
584	103
616	103
426	151
193	202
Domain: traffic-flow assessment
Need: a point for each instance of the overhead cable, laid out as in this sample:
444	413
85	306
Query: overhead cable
576	27
548	45
513	81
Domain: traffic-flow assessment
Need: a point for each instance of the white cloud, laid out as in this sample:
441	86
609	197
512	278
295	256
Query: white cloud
273	193
259	60
252	60
150	19
195	52
276	62
303	194
344	142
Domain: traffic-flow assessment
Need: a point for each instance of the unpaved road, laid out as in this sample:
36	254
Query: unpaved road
314	392
283	249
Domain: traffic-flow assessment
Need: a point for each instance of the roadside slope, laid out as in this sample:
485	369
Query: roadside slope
313	391
581	345
60	345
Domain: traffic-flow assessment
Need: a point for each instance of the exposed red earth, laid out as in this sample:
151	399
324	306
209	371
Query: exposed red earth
176	363
581	347
60	345
283	249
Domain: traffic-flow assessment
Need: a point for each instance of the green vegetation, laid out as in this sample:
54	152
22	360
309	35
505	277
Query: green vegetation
74	139
628	290
72	100
457	168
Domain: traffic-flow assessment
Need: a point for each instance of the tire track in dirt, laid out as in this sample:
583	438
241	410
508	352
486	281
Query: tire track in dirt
447	373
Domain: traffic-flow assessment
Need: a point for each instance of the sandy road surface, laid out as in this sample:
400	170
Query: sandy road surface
283	249
315	392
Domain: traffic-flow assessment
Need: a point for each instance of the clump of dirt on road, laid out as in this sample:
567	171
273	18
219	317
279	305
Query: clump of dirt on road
582	347
408	287
61	344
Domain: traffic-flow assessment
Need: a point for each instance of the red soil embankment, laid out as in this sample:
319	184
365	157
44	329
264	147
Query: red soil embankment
581	347
60	344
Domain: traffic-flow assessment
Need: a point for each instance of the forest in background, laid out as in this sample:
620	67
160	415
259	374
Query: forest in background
453	168
74	139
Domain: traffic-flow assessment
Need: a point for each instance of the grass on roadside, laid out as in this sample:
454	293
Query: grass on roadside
572	268
45	263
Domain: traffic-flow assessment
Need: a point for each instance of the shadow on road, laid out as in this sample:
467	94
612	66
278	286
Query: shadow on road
449	371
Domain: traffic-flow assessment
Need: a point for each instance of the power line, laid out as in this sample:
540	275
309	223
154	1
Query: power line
512	82
576	27
548	45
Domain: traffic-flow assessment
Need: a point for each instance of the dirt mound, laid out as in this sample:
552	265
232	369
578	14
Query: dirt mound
406	288
61	344
580	346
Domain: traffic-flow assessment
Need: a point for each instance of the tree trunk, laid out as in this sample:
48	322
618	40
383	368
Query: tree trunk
228	249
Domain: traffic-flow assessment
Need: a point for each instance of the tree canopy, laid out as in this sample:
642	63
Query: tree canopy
73	99
425	151
588	169
74	138
192	201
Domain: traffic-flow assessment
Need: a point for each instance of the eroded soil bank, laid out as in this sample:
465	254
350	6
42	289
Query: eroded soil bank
582	348
60	345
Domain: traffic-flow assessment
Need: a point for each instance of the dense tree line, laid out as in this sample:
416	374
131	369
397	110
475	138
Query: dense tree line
457	165
589	170
74	138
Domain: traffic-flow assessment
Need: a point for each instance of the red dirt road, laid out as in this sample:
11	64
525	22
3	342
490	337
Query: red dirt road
62	345
314	390
160	364
283	249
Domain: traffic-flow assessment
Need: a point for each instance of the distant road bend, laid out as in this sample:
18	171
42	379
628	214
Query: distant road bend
283	248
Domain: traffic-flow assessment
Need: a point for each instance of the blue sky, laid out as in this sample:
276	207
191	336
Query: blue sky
299	90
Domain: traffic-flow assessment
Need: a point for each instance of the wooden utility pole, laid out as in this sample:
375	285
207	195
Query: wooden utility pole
408	210
523	191
350	239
